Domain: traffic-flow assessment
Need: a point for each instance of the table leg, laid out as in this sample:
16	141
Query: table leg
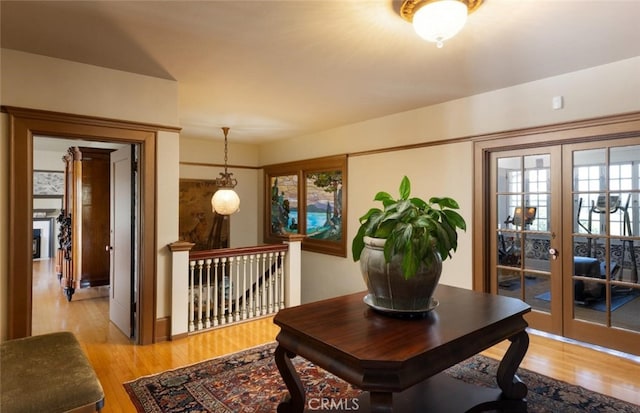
295	404
509	382
381	402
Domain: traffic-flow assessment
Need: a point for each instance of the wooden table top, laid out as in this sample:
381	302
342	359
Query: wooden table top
345	336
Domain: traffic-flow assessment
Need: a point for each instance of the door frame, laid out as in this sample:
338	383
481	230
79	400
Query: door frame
23	125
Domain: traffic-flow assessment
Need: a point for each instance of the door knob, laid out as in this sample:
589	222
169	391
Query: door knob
108	248
554	253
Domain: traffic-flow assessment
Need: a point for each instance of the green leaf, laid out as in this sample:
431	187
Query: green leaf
405	188
388	248
368	215
357	244
384	229
382	196
403	206
445	202
410	263
419	203
456	219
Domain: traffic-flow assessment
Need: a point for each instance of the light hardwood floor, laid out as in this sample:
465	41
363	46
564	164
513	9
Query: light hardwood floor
116	360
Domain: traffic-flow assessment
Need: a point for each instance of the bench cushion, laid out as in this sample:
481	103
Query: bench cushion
47	373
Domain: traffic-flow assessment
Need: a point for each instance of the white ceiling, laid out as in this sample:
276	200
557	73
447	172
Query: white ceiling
273	69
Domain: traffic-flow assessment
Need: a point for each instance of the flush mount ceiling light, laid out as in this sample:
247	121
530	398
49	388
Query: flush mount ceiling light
438	20
225	201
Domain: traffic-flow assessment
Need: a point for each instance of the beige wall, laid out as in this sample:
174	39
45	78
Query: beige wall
40	82
167	155
445	170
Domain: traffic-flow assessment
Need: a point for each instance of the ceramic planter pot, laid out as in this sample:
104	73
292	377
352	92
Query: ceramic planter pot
388	289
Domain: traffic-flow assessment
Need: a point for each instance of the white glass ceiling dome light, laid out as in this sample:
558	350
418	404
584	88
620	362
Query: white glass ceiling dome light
438	20
225	201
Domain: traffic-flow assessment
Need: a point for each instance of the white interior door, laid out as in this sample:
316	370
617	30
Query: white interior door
120	297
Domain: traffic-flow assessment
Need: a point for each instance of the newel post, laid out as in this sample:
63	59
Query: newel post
293	269
180	288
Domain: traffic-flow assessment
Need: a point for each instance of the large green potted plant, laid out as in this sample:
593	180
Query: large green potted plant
401	248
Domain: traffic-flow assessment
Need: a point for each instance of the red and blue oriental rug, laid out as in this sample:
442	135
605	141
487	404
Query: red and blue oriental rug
249	382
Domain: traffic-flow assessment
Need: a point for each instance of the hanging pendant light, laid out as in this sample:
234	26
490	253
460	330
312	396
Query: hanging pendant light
438	20
225	201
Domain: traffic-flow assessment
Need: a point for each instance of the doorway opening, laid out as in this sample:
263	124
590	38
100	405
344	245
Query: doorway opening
85	304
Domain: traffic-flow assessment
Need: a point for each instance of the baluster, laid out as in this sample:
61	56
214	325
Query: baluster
270	285
231	289
254	285
192	265
274	284
199	313
207	318
216	263
243	309
258	286
236	289
263	293
223	290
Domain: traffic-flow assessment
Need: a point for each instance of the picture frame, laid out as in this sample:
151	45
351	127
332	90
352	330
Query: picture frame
197	221
308	198
48	184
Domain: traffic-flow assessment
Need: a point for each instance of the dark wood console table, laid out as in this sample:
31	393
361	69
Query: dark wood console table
397	362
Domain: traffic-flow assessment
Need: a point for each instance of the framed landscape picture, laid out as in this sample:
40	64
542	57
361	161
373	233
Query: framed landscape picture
308	198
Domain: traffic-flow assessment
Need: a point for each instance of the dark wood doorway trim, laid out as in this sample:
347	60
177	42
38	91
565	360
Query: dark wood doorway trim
610	127
23	125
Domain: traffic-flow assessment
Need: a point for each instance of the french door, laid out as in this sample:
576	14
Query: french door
601	221
525	211
565	238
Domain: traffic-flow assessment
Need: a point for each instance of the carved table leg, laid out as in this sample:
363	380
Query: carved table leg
295	404
512	387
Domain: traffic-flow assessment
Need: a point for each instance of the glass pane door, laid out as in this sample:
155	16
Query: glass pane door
524	230
605	242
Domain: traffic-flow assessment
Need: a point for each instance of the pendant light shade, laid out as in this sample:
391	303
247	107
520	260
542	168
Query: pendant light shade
225	201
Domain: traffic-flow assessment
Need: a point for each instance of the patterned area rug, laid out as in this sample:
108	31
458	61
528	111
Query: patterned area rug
249	382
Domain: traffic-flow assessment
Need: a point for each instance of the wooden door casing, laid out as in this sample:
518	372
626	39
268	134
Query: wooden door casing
24	124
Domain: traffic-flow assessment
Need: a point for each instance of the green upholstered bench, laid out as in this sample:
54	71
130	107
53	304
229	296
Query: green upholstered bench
47	373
